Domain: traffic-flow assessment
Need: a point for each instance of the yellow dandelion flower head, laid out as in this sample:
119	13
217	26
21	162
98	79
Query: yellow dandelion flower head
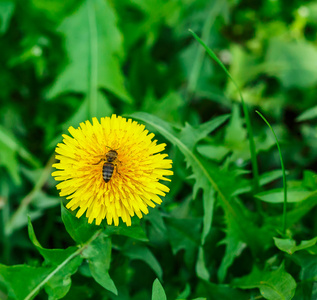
111	170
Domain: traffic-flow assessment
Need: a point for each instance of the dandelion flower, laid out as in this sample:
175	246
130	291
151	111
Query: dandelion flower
134	183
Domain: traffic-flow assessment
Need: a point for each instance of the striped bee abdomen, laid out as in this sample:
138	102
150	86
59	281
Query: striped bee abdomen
107	171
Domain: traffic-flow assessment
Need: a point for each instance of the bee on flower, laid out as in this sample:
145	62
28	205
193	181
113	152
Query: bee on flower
111	170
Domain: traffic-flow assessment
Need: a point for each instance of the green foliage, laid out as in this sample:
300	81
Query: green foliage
277	195
158	291
94	47
293	62
21	280
220	232
276	284
98	255
79	230
289	245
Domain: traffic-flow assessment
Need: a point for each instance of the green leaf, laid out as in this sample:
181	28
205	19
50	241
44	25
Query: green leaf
94	47
184	234
9	160
277	195
207	175
201	269
208	202
308	265
224	292
56	279
20	219
244	67
293	62
314	291
186	141
294	215
236	134
185	293
206	178
157	221
214	152
158	292
98	254
165	106
21	280
191	135
308	114
54	9
273	285
59	284
305	291
140	252
10	149
270	176
286	245
289	246
134	231
43	201
202	180
234	248
79	229
6	12
309	180
264	179
81	113
12	143
51	256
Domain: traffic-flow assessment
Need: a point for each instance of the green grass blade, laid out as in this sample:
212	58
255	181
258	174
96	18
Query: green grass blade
283	170
245	110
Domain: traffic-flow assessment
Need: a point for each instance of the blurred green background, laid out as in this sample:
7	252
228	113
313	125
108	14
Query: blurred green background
63	62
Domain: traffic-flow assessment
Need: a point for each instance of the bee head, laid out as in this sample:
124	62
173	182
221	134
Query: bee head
112	155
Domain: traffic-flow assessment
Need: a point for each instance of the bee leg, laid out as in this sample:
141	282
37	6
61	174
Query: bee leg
117	169
98	162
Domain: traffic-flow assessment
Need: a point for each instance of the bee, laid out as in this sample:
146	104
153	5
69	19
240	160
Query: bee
110	159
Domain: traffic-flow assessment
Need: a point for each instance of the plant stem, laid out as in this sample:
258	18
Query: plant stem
283	170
